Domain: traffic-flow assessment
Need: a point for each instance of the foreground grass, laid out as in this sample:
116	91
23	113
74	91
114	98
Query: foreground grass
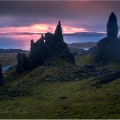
81	101
54	99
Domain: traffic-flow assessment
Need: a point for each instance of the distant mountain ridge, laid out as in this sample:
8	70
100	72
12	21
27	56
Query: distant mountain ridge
10	50
82	45
65	34
85	34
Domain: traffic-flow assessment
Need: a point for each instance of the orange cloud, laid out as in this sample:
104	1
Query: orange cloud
40	28
78	29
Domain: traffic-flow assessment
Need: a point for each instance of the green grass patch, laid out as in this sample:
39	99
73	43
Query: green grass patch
57	100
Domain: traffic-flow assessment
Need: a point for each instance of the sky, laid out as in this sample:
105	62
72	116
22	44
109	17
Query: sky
43	16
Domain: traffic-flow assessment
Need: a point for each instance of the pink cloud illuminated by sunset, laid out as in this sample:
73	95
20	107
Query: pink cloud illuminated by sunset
40	28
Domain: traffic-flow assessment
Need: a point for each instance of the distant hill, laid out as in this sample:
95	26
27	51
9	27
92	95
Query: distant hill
11	50
82	45
85	34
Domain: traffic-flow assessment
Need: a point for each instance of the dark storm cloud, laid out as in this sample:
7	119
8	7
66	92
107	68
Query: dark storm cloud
72	13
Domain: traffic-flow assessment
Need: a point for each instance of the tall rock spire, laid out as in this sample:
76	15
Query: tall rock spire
58	33
112	27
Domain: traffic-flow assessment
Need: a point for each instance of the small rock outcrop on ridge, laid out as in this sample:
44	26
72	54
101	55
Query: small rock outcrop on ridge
108	48
1	77
49	45
22	63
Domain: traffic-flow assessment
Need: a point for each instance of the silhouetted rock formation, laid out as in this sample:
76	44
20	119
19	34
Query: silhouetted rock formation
58	33
22	63
1	77
109	47
35	57
112	27
105	50
50	45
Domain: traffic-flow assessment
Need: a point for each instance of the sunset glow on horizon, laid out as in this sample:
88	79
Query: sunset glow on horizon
40	28
26	20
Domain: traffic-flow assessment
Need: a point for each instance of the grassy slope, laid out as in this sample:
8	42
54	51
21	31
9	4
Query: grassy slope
88	59
84	59
82	100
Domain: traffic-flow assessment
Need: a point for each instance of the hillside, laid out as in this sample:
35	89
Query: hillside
79	46
106	53
46	92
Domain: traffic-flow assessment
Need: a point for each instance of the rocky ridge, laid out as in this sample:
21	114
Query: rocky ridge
49	45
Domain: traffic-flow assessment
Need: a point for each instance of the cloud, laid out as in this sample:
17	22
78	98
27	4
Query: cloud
80	14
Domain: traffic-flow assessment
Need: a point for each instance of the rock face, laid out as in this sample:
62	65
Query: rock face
35	57
105	50
49	45
117	51
1	77
108	48
22	63
112	27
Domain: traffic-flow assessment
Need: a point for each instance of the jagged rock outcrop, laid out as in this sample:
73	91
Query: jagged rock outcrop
35	57
22	63
108	48
49	45
52	45
58	33
112	26
1	77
